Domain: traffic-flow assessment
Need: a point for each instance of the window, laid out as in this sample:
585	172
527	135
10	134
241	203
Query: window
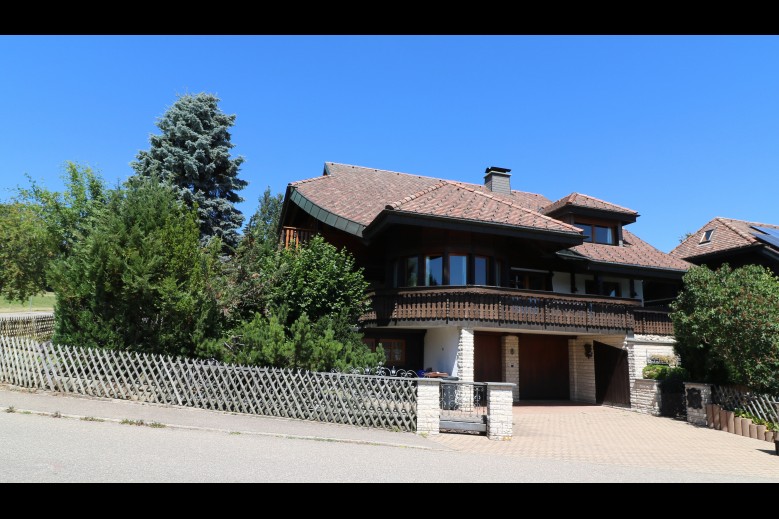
528	279
458	269
406	272
434	271
608	288
706	236
394	349
480	270
597	233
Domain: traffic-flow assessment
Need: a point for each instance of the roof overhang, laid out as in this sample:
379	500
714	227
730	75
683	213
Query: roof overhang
625	218
390	217
624	269
320	213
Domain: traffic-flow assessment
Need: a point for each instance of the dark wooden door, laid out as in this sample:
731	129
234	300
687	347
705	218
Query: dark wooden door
487	361
612	384
543	368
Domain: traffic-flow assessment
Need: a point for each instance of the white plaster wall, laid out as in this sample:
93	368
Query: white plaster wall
441	349
561	282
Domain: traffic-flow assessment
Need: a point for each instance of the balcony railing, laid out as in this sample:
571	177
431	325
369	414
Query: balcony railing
294	236
652	322
511	307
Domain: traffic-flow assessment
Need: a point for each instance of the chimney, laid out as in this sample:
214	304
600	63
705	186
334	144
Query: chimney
497	180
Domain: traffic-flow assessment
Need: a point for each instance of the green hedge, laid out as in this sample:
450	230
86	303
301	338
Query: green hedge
663	372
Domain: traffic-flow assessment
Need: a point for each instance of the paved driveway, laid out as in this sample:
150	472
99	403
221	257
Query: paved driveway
613	436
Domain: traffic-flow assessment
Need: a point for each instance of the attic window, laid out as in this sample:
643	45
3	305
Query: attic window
706	237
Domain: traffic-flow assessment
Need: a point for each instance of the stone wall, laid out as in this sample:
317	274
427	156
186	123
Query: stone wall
581	371
509	349
428	406
500	416
645	396
465	355
698	396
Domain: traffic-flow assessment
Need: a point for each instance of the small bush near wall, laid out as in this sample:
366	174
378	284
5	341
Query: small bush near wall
663	372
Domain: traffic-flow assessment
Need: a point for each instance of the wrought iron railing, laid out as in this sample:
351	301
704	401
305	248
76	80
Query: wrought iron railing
463	405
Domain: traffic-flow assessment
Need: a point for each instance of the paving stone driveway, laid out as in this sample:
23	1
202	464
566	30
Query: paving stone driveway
613	436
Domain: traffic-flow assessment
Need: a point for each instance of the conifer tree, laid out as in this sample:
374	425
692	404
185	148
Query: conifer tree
193	154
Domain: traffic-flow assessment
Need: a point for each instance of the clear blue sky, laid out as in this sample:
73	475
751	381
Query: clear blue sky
678	128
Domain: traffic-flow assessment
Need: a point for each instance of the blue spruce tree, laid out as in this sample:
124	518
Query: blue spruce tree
193	154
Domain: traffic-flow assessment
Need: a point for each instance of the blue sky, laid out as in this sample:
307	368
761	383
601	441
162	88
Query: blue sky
678	128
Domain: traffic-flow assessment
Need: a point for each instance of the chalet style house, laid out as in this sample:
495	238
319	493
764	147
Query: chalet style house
735	242
486	283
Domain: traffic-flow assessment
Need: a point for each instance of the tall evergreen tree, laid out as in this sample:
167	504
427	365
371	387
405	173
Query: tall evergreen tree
193	154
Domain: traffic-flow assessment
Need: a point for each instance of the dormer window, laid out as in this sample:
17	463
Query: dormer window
706	236
594	233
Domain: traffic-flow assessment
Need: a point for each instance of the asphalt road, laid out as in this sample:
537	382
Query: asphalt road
37	448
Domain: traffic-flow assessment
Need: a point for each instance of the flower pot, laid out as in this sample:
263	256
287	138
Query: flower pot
745	423
752	430
737	425
769	436
760	432
710	415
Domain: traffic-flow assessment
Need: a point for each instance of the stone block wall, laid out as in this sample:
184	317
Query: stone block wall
645	397
698	396
465	355
509	348
500	416
428	406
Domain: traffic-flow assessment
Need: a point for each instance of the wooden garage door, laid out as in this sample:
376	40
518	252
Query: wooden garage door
612	384
487	365
543	368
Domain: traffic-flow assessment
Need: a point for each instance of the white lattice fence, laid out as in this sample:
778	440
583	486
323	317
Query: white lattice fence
362	400
758	404
38	327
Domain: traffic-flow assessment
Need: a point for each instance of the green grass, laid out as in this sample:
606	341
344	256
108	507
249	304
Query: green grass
42	303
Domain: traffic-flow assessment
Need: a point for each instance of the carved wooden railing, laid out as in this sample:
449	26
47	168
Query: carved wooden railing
652	322
505	306
294	236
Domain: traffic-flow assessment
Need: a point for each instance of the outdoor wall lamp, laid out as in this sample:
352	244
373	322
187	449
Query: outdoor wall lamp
588	350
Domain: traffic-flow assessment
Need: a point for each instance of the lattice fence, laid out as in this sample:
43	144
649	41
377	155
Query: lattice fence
38	327
362	400
758	404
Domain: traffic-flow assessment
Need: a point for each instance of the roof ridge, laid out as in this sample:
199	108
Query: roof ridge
604	201
512	204
726	223
396	205
421	176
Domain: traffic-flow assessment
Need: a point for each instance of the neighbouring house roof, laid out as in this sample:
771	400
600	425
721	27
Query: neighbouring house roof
635	252
727	234
359	195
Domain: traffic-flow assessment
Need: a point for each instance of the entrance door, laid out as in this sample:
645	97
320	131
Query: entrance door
487	366
612	384
543	367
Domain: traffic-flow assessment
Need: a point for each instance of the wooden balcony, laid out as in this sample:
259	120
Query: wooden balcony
295	236
511	308
652	322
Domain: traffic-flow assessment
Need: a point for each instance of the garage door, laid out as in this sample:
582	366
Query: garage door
543	367
612	383
487	365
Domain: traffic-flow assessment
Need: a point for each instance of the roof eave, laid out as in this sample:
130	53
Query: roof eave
323	215
625	218
389	217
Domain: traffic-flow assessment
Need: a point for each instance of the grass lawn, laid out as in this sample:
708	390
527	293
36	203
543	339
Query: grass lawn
42	303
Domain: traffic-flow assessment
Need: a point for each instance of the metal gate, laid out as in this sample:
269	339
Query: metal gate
463	406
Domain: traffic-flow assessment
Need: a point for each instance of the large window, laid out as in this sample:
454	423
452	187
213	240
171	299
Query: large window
434	271
394	350
458	269
529	279
480	264
406	272
594	233
607	288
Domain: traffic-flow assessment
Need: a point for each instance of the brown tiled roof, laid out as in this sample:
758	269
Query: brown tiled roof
360	194
581	200
728	234
635	252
